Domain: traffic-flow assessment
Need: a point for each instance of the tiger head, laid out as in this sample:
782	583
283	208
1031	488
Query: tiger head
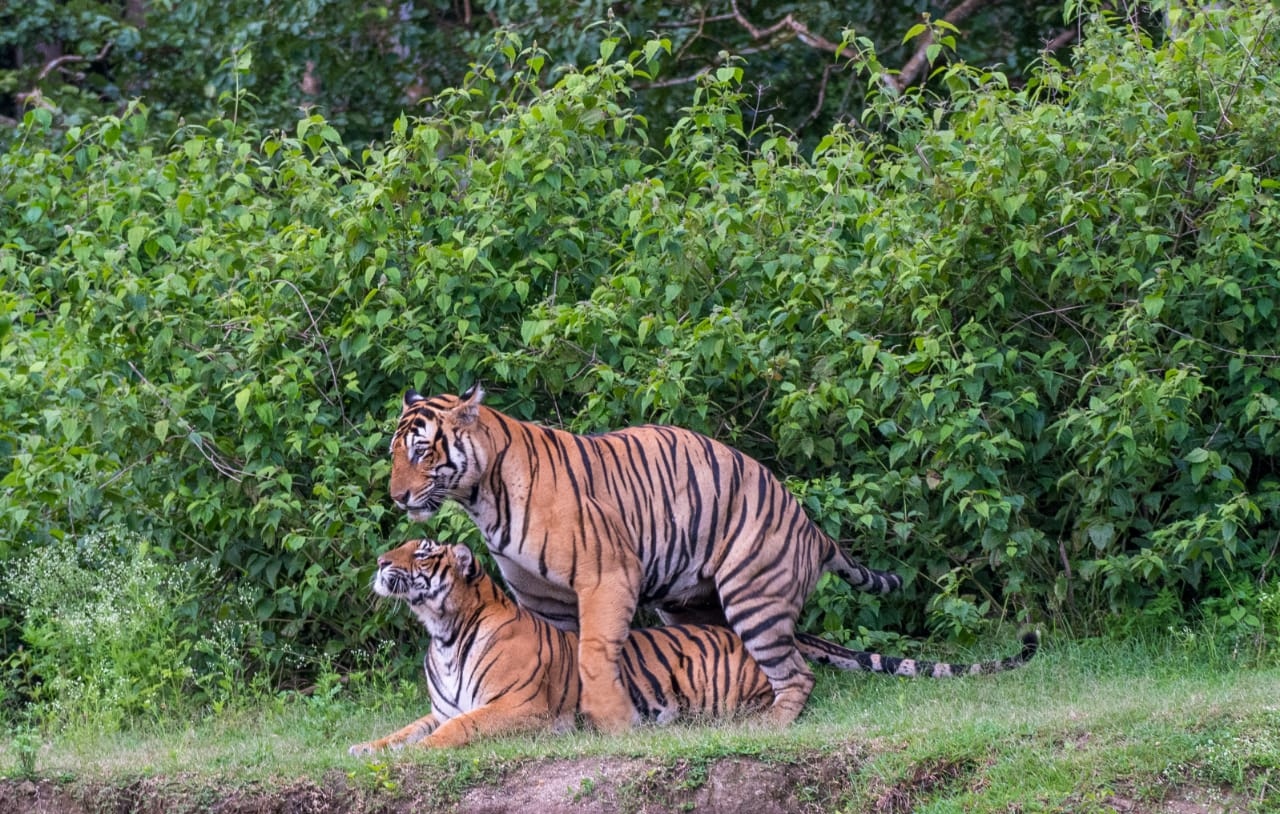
427	575
434	456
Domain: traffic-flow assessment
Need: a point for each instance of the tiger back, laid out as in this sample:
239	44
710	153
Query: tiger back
494	668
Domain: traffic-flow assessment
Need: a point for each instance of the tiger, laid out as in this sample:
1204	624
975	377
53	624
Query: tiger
494	668
585	529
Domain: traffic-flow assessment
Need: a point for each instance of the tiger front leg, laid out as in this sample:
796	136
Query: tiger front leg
412	733
504	716
604	622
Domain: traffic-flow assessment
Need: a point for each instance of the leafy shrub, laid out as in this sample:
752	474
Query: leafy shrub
106	625
1247	620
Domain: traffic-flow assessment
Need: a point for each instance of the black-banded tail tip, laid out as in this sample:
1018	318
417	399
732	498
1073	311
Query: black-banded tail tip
1030	644
882	582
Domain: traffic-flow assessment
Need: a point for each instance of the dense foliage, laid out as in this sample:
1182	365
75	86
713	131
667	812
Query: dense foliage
1018	344
360	64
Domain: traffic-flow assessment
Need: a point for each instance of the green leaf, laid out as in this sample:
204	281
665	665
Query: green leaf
136	235
1102	535
242	400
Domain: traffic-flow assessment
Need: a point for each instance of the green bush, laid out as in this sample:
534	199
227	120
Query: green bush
1016	344
109	629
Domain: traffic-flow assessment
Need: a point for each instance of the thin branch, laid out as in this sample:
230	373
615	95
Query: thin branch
120	473
822	96
704	19
788	23
920	59
67	58
1066	569
690	40
681	80
1063	38
1262	572
208	449
781	32
1243	354
1235	89
789	26
333	373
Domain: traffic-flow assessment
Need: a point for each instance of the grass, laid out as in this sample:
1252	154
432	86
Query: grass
1084	725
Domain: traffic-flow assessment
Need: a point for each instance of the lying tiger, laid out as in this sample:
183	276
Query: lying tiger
495	668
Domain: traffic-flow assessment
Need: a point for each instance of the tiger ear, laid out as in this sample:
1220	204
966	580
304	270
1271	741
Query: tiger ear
412	396
470	407
466	563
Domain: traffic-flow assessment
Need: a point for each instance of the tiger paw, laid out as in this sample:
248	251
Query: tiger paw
362	749
612	719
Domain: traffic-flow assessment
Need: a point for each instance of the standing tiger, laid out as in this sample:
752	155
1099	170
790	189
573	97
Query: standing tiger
496	668
587	528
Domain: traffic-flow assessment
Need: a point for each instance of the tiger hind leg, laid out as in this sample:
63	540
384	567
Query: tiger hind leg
792	682
770	639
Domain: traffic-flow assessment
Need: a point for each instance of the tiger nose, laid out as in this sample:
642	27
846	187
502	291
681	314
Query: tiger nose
383	562
401	500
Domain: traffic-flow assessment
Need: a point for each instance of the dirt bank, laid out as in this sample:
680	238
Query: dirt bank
598	785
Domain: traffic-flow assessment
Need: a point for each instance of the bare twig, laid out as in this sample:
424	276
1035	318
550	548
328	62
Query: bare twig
788	23
1262	572
68	58
703	20
697	35
1235	89
1062	38
121	472
1066	570
324	348
783	31
681	80
920	59
1262	357
822	95
208	449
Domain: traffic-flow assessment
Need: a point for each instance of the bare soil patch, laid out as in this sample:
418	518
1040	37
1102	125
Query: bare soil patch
583	786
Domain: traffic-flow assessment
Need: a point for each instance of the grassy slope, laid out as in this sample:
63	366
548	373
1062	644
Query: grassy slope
1085	723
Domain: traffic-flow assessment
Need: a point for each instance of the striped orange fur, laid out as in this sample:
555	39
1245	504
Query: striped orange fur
587	528
495	668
